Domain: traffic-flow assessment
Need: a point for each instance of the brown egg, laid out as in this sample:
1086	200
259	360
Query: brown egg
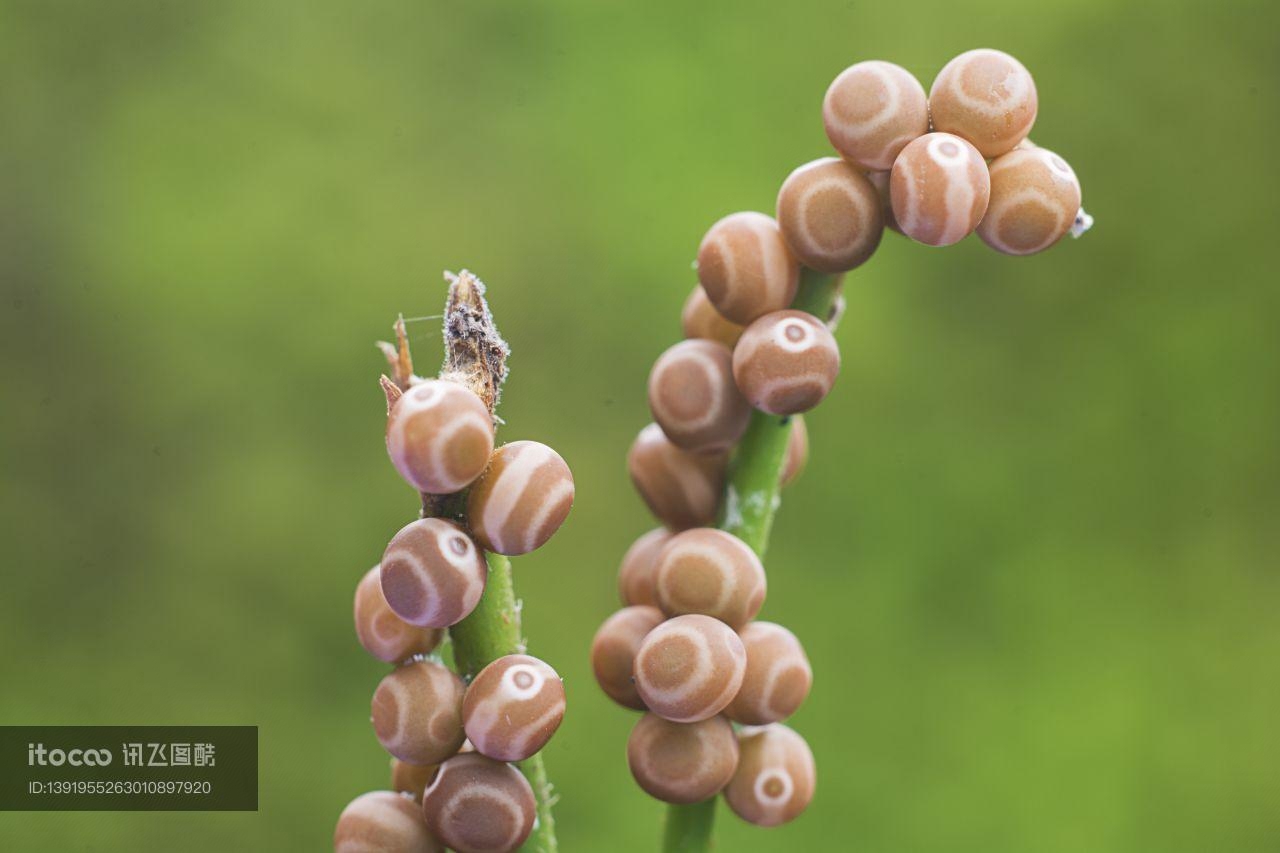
829	213
711	572
986	97
412	779
872	110
700	319
1034	200
689	668
614	648
417	713
939	189
382	821
786	362
521	499
432	573
513	707
682	489
774	781
778	676
880	180
682	762
384	634
439	436
478	805
745	267
694	399
797	452
639	565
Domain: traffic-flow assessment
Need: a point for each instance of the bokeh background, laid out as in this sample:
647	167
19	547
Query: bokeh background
1033	559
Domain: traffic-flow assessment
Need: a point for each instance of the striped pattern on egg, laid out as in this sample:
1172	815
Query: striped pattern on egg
479	805
513	707
439	436
786	362
711	572
521	499
417	713
681	489
689	668
433	573
693	397
682	762
745	267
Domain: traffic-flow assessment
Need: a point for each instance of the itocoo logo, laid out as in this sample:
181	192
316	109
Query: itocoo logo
38	755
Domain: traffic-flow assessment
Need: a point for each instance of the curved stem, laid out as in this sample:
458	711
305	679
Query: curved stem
750	501
490	632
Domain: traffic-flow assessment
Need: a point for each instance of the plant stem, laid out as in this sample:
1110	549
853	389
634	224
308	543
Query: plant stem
490	632
750	501
543	839
689	827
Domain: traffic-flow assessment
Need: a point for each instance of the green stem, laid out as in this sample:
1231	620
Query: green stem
818	292
543	839
490	632
689	827
750	501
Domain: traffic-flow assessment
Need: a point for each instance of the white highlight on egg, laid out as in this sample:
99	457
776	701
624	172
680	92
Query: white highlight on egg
783	778
511	688
804	337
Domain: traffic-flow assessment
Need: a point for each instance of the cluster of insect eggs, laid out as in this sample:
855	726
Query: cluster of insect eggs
451	742
942	164
440	439
935	167
685	649
701	394
471	803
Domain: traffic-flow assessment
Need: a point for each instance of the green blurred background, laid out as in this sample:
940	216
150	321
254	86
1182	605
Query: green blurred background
1033	559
